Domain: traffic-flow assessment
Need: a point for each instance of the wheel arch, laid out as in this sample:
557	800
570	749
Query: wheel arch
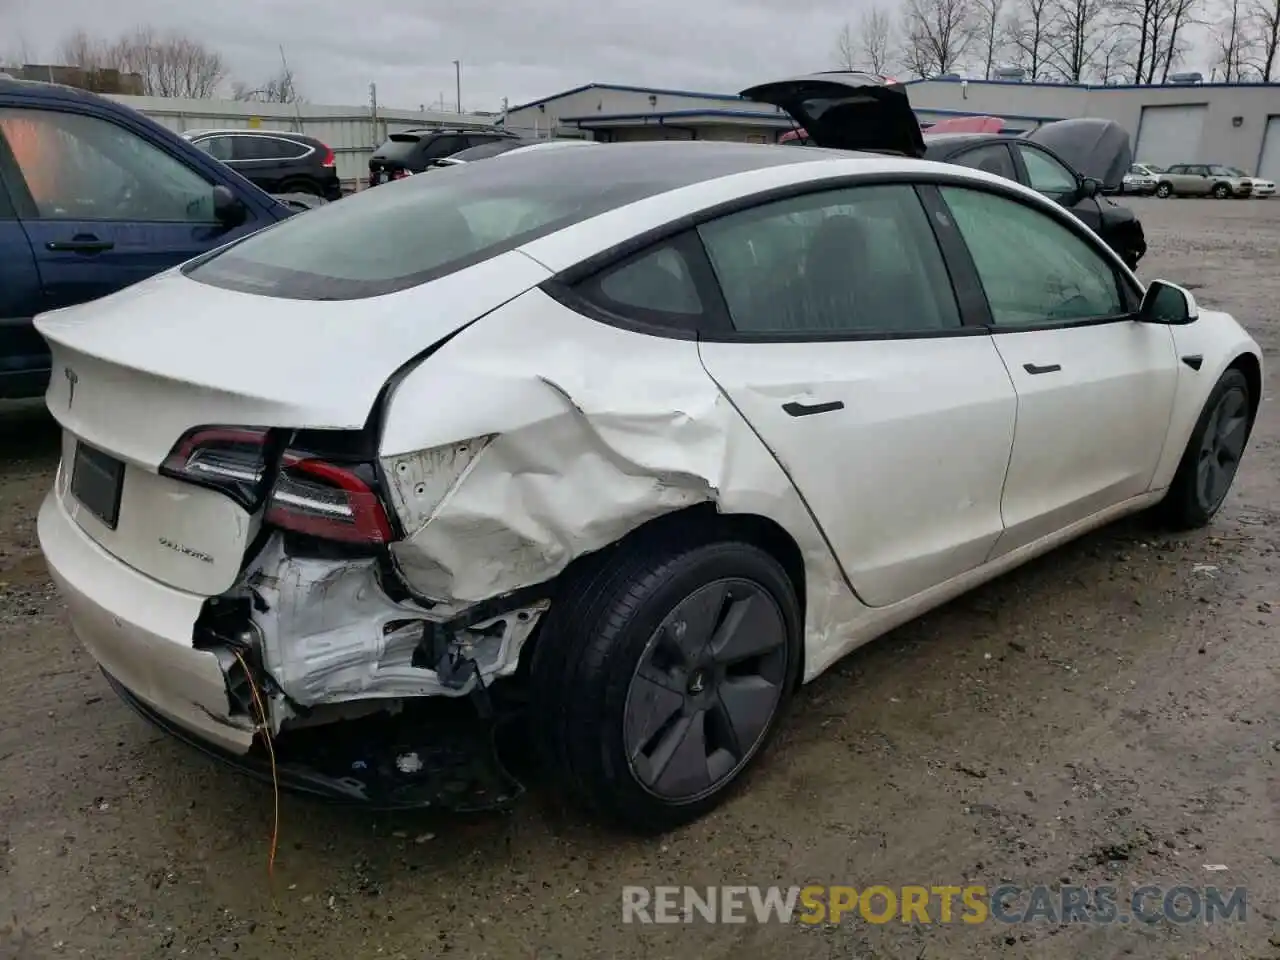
696	524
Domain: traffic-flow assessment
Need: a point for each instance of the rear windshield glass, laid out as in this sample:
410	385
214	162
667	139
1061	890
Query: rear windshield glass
414	230
400	147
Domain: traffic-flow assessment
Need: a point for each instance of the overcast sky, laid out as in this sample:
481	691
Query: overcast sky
521	49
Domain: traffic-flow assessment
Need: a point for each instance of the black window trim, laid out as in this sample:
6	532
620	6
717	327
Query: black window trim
715	325
1129	298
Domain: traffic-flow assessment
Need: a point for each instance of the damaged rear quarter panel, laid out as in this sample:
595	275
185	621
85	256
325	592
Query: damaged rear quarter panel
538	435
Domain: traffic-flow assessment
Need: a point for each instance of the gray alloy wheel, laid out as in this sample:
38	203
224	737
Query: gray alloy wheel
1221	448
706	690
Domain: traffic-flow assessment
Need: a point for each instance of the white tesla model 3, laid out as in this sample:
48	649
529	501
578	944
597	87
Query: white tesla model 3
652	432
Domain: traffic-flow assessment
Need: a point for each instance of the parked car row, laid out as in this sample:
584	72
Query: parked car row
1196	180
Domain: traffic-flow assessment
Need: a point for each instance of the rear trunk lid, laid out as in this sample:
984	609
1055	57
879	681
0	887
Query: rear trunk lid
136	371
847	111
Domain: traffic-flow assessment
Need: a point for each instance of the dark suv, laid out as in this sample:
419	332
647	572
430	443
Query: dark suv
408	152
93	197
276	160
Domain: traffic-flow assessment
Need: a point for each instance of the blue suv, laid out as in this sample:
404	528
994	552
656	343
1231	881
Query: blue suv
93	197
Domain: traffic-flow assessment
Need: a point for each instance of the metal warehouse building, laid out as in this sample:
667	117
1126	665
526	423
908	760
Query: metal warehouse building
1233	124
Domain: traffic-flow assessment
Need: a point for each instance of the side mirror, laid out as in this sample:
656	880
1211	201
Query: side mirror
1168	303
1089	187
228	208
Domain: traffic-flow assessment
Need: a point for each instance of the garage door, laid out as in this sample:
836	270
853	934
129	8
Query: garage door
1269	162
1171	135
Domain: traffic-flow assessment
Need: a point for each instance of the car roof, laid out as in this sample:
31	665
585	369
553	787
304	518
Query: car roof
40	89
245	132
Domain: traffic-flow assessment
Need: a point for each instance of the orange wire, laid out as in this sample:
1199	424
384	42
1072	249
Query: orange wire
271	754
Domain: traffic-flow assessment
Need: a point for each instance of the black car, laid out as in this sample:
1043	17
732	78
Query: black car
412	151
278	161
1071	161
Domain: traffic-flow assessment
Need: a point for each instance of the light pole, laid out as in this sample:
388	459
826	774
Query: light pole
457	79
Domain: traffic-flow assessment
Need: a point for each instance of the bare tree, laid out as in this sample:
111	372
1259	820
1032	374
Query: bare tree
936	34
1032	26
845	59
171	64
1181	15
280	88
1232	42
1159	28
875	39
1075	43
989	27
1265	16
1114	54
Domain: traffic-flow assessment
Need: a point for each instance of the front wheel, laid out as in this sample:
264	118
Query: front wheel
658	679
1164	191
1221	191
1212	455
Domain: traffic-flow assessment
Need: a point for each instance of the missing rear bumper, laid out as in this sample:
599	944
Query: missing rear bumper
443	759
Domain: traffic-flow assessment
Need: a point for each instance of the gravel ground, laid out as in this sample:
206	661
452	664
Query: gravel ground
1109	714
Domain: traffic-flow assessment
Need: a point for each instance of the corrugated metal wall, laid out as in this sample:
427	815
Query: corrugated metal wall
352	132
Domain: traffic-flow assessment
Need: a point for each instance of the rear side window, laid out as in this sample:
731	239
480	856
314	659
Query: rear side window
418	229
445	146
858	261
220	148
656	282
267	148
993	158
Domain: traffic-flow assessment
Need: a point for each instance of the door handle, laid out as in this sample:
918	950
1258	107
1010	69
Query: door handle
88	244
809	409
1047	368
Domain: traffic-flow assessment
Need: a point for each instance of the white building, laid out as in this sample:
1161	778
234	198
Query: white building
1233	124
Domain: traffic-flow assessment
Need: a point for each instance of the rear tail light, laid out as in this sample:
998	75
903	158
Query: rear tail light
329	159
401	174
230	460
328	500
309	494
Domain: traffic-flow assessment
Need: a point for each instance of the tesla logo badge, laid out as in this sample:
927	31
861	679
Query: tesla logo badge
72	380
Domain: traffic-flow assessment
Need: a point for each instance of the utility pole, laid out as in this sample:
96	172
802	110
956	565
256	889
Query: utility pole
457	79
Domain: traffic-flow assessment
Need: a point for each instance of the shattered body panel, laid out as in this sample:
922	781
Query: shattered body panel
552	449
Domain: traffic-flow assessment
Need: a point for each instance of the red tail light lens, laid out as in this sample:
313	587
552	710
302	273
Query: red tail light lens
328	500
227	459
329	159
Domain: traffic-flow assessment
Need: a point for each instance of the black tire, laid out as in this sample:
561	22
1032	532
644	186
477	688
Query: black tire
1221	191
599	647
1164	190
309	187
1191	502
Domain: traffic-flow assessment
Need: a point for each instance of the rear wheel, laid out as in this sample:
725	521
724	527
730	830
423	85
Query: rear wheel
1164	191
1221	191
1212	455
309	187
659	677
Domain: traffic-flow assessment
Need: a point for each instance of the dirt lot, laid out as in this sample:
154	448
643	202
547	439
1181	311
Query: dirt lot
1110	714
